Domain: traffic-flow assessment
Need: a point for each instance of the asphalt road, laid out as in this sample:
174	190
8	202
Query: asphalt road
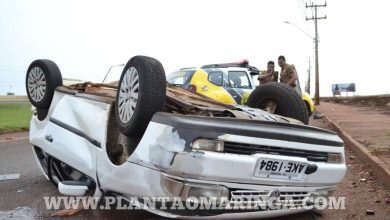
23	197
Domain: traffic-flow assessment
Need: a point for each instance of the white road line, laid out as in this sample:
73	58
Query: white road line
10	176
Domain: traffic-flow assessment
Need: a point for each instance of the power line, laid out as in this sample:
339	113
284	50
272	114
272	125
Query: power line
315	18
12	70
301	9
304	8
301	5
8	82
312	10
9	86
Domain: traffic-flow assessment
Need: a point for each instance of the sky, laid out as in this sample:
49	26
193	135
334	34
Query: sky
85	38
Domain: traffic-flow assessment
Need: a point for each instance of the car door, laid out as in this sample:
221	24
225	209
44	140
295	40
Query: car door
76	131
239	85
210	82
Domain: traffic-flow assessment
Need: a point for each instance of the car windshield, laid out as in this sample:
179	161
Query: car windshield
180	77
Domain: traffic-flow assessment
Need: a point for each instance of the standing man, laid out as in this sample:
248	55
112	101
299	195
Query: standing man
288	73
269	75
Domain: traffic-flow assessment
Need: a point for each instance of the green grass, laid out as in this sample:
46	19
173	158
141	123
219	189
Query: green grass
14	117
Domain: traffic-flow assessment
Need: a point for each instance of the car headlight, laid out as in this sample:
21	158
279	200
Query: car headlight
204	190
172	186
208	145
188	190
335	158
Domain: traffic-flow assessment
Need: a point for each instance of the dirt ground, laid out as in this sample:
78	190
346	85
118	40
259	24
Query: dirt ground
377	101
368	125
361	190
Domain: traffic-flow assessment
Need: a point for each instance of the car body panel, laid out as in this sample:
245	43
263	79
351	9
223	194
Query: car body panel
206	88
168	148
309	102
78	126
85	115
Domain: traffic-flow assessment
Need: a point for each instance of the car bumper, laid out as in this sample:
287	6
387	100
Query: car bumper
238	215
150	183
166	146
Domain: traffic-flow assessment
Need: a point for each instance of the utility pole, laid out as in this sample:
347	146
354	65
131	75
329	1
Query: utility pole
315	18
308	77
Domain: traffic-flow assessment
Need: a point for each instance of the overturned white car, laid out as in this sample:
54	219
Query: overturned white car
142	138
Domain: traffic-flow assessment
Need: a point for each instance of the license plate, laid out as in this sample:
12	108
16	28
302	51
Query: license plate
280	169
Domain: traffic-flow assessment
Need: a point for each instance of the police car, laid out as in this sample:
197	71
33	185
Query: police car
235	83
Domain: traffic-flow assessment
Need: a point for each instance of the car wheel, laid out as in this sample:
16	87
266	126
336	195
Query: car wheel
280	99
141	93
42	78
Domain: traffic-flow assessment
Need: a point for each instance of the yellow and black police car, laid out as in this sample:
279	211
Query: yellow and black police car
230	83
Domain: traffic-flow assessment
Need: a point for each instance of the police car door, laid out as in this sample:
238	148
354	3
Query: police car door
239	84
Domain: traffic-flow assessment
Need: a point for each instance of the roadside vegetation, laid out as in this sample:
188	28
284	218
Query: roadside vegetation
14	117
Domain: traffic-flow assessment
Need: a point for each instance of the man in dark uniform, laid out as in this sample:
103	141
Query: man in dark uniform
288	73
269	75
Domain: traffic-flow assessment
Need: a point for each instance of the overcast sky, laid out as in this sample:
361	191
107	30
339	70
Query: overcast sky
86	37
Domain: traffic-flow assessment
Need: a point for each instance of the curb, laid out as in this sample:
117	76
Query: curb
380	171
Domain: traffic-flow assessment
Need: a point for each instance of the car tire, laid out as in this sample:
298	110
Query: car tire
42	78
288	102
141	93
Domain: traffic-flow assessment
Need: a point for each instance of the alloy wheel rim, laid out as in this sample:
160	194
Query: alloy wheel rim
128	95
36	84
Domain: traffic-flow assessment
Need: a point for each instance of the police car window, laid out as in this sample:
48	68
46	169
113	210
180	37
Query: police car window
216	78
180	77
239	79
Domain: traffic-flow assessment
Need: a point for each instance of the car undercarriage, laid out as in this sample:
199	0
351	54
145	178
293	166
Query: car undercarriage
181	101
